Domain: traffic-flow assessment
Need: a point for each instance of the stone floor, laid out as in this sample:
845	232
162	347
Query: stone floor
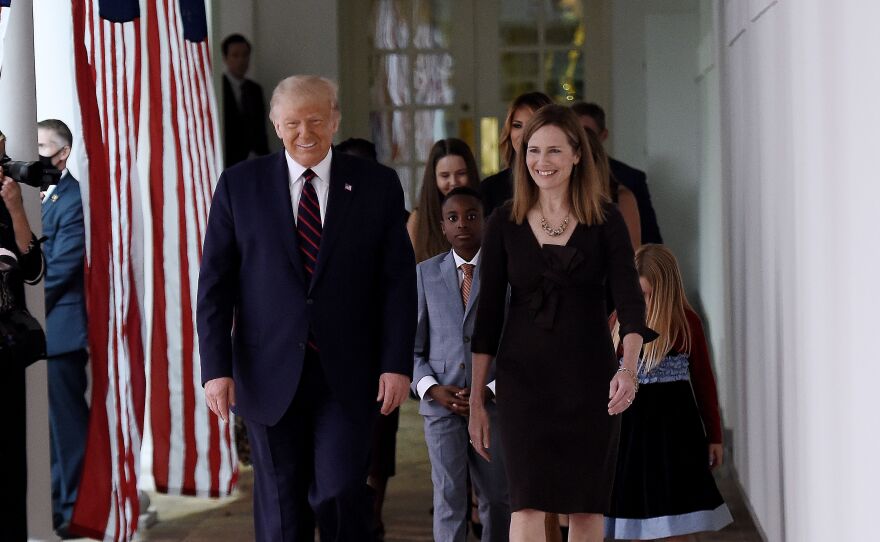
407	519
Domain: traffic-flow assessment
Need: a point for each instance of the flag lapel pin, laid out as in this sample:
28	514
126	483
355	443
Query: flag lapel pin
348	187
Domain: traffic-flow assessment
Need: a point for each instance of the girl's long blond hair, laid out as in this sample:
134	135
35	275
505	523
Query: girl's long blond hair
586	189
666	306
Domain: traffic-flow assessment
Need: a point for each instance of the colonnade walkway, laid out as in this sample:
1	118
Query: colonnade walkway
407	517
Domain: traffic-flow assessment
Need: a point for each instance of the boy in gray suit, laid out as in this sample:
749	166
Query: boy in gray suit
449	289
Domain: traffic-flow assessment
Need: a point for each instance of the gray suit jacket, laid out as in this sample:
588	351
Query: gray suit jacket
443	333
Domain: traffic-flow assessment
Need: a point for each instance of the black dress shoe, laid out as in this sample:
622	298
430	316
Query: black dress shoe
64	534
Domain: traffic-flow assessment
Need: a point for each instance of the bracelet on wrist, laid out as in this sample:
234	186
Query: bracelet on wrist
632	375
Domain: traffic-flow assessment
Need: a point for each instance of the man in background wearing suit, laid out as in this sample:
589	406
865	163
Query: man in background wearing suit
244	110
66	335
592	118
307	253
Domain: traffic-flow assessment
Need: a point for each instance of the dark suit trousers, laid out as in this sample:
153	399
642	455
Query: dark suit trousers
312	467
13	453
68	426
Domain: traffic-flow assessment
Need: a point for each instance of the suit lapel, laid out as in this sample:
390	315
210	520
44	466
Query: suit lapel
343	184
283	211
475	291
450	277
47	206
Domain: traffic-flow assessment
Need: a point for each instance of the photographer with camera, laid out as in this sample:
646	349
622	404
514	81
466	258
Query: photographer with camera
66	337
21	260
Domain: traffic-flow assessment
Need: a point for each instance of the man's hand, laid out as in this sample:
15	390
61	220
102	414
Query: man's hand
393	390
452	398
11	194
220	396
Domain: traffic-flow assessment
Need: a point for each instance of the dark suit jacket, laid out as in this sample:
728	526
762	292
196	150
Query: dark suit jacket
360	304
244	127
496	190
636	180
64	250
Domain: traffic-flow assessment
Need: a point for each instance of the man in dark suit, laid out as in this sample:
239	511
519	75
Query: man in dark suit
592	117
244	110
66	335
307	254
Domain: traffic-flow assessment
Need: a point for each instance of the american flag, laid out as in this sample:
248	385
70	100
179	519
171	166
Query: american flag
4	21
193	450
148	113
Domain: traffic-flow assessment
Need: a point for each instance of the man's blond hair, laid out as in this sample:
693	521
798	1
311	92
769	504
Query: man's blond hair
300	86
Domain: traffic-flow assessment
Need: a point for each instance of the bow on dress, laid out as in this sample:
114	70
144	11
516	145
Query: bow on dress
559	265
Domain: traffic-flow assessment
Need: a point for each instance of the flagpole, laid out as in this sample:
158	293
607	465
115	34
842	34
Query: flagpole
18	117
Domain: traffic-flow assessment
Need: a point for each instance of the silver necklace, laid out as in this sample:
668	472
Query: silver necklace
554	232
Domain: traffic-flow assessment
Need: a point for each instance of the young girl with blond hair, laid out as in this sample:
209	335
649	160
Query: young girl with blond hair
671	436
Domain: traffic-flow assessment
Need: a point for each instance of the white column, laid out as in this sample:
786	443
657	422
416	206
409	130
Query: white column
18	117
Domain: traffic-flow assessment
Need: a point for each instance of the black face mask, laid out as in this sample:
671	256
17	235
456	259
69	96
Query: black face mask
46	161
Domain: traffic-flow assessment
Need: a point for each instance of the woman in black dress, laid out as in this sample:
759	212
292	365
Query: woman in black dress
559	386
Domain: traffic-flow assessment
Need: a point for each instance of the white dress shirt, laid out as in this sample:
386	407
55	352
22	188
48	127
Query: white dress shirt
427	381
48	193
321	182
235	83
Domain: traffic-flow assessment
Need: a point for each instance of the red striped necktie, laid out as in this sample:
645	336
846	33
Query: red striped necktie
308	224
308	231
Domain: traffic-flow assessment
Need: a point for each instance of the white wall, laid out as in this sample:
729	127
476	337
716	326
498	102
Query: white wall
800	123
654	118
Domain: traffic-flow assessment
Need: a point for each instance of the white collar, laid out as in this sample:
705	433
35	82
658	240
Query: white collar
322	170
459	260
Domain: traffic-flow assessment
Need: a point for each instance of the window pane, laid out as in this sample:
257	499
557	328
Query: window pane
432	23
392	135
565	75
406	182
564	24
519	73
391	24
433	80
489	157
430	126
518	24
390	80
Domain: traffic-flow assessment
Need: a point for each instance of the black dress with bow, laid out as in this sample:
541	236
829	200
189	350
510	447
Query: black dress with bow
555	359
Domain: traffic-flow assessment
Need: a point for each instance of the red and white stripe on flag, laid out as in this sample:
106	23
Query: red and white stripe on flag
193	451
143	83
107	59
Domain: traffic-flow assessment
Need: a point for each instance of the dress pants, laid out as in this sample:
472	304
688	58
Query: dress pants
452	457
68	427
311	467
13	453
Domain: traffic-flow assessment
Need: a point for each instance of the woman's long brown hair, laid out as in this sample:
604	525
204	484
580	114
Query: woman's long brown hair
586	190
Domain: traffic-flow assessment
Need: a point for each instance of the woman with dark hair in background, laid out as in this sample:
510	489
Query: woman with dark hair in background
450	164
22	261
498	188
